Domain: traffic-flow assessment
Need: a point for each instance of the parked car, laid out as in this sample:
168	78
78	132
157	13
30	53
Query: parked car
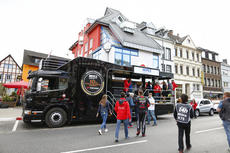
204	106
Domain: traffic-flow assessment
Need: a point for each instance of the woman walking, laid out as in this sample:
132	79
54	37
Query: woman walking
103	109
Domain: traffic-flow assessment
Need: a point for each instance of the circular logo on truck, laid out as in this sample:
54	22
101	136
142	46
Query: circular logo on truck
92	83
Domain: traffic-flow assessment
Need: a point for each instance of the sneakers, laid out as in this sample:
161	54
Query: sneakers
106	130
138	132
155	124
116	140
143	135
188	148
100	132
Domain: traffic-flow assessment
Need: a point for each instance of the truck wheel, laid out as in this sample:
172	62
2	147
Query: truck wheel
211	113
55	117
197	112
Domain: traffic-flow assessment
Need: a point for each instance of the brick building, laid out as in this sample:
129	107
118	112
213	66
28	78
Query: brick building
212	74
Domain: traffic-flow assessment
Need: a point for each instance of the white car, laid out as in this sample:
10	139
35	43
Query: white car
204	106
216	104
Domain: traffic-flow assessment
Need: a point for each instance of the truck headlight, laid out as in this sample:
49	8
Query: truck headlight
28	112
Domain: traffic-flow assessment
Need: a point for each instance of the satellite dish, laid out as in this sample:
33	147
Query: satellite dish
107	46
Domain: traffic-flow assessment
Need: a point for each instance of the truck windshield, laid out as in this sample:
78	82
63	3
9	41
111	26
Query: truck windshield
52	83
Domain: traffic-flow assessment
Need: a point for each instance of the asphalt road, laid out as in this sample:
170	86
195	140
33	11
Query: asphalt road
207	136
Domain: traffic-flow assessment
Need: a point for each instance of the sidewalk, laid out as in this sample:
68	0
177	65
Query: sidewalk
10	113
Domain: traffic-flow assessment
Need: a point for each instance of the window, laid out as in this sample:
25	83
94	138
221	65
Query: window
193	56
214	70
168	54
205	82
163	54
204	68
1	77
219	83
81	51
123	56
189	41
176	53
208	69
213	83
163	67
176	69
198	57
206	55
8	66
181	69
193	71
206	102
86	47
168	68
155	61
209	83
187	53
218	70
181	53
187	70
194	87
97	55
213	57
91	43
225	84
52	83
120	19
211	70
8	76
198	87
216	83
36	60
198	72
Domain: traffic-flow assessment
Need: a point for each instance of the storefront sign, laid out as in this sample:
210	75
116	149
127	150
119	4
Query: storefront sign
147	71
92	83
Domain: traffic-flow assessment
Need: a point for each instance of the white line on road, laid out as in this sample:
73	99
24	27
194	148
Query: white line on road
15	126
104	147
197	132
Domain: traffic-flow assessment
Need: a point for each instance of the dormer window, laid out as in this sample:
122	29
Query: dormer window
120	19
188	40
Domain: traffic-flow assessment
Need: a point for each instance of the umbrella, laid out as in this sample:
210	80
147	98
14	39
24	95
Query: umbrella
20	84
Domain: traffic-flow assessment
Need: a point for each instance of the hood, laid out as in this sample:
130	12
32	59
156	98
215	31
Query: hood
121	101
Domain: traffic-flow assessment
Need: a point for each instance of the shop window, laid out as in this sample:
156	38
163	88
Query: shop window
168	68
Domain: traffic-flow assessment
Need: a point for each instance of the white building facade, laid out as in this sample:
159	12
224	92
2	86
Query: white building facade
188	66
225	75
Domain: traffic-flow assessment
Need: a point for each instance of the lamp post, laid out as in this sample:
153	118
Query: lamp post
107	47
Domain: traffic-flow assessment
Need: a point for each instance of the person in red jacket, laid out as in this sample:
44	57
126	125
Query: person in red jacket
123	114
157	91
194	105
127	83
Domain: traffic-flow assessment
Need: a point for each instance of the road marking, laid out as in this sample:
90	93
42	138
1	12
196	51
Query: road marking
7	119
15	126
197	132
104	147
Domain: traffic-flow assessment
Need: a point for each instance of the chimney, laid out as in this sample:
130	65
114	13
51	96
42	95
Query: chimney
225	61
171	32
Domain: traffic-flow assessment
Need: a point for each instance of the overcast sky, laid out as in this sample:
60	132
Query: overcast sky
45	25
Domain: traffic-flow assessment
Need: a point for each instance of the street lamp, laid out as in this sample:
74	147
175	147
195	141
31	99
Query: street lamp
107	47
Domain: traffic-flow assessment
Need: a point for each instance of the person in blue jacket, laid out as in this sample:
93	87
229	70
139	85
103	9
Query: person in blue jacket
103	109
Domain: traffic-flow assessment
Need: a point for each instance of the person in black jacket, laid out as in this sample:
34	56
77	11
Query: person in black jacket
183	114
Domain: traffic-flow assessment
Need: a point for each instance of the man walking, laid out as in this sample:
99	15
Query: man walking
183	114
123	114
151	110
142	104
224	112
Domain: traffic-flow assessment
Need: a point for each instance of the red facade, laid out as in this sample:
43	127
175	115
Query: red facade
87	42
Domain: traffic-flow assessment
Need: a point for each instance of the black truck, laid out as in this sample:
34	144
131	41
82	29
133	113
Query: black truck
62	94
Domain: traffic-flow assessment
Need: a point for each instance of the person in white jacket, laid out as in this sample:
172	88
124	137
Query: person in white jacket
151	110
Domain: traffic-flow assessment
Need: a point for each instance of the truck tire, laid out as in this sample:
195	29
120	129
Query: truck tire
55	117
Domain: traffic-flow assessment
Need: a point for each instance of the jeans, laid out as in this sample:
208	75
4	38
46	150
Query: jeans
126	122
184	128
227	130
151	113
130	123
104	118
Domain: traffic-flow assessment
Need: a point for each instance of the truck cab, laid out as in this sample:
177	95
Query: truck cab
47	98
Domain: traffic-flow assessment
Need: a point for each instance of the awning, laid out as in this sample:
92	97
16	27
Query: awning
20	84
